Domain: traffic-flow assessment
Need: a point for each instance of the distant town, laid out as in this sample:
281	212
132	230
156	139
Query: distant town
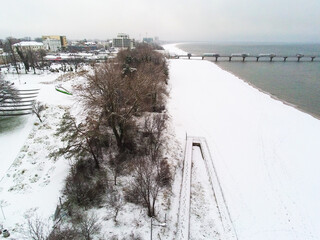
56	48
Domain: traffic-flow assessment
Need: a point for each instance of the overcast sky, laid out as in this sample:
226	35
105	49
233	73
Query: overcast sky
173	20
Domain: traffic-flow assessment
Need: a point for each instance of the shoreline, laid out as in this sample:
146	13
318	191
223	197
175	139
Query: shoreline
258	88
253	139
270	94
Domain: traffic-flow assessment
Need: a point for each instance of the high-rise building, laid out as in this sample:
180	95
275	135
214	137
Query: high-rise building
123	41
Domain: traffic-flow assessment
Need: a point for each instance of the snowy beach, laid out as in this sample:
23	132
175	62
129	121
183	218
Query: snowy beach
266	153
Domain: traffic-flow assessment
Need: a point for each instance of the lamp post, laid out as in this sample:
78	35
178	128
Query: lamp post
1	205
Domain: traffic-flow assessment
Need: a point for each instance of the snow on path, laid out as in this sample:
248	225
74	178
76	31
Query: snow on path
12	139
219	215
204	214
227	231
266	153
184	204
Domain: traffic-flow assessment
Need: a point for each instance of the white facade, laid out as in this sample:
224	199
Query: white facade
52	45
123	41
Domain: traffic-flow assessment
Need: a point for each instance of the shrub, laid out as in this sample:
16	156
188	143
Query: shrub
66	233
88	226
132	196
164	176
85	185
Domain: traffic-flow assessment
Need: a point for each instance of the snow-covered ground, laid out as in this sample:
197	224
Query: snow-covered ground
266	153
30	181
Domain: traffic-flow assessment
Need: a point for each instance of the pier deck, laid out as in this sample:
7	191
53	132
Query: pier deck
255	58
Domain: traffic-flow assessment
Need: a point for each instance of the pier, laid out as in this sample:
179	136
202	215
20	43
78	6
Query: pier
263	57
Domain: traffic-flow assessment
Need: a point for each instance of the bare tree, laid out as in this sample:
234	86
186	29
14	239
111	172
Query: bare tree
24	58
89	226
152	171
32	59
64	233
8	92
10	50
149	178
109	97
117	162
80	140
117	92
76	62
150	76
37	108
153	135
115	201
37	228
145	183
151	79
85	186
42	53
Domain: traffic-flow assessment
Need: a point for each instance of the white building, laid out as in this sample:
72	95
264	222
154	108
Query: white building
52	45
123	41
29	45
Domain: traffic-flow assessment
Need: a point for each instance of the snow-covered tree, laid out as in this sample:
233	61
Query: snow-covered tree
7	91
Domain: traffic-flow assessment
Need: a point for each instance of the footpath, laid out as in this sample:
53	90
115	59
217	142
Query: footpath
183	229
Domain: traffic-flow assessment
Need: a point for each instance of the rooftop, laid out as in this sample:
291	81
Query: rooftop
27	43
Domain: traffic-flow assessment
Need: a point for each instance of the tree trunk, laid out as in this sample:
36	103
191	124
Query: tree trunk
115	177
119	139
153	208
96	161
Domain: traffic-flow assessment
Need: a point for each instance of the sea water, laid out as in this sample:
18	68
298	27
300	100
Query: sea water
297	83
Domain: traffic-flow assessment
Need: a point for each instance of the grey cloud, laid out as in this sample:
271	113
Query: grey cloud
190	20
